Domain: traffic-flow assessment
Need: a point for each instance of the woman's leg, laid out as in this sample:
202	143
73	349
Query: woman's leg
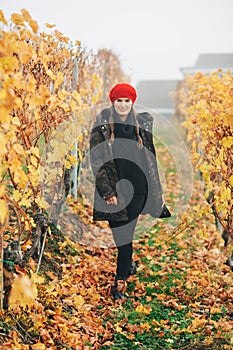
123	233
123	237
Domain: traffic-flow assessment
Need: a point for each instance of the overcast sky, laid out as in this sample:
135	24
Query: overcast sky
153	38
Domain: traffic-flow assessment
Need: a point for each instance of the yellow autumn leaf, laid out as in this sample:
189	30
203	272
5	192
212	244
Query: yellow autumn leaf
131	336
33	24
228	120
118	329
23	292
15	121
2	190
227	141
161	296
143	309
3	142
230	180
62	245
42	203
47	25
60	37
220	207
198	322
25	202
67	164
139	308
155	323
78	301
80	156
35	151
73	105
73	160
34	161
20	178
45	93
95	99
8	64
36	279
24	54
32	222
19	149
3	211
215	310
17	19
225	193
26	15
34	175
38	346
149	257
80	137
34	101
59	80
77	97
62	94
16	195
2	18
50	74
145	326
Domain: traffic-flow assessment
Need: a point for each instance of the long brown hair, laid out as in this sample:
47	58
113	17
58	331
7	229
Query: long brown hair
111	124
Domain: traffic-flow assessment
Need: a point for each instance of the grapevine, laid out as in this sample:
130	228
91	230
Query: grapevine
206	104
47	85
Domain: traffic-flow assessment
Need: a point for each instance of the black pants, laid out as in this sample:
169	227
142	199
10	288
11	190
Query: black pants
123	232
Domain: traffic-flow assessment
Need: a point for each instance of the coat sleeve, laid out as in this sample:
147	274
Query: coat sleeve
103	183
148	141
146	124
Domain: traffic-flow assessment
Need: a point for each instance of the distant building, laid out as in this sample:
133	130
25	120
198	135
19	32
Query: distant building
156	94
210	62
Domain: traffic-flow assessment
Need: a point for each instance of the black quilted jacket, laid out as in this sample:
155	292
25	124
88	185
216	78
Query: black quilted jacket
106	175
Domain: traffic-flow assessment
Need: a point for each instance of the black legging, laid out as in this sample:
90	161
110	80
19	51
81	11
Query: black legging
123	232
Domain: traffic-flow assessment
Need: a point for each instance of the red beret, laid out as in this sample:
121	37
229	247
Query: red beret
122	91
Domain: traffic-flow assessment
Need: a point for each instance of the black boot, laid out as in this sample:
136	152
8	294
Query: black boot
119	288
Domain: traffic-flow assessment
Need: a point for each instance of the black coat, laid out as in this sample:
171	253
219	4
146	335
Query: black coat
106	175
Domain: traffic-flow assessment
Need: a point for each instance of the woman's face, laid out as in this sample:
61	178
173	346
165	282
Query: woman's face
123	106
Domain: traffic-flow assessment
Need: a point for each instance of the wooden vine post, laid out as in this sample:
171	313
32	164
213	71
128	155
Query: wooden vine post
74	152
1	269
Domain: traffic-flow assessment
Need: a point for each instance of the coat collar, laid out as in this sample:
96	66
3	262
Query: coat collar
143	118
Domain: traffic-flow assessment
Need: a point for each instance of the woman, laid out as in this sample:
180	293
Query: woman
124	163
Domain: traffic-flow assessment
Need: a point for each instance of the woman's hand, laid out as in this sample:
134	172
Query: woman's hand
112	200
